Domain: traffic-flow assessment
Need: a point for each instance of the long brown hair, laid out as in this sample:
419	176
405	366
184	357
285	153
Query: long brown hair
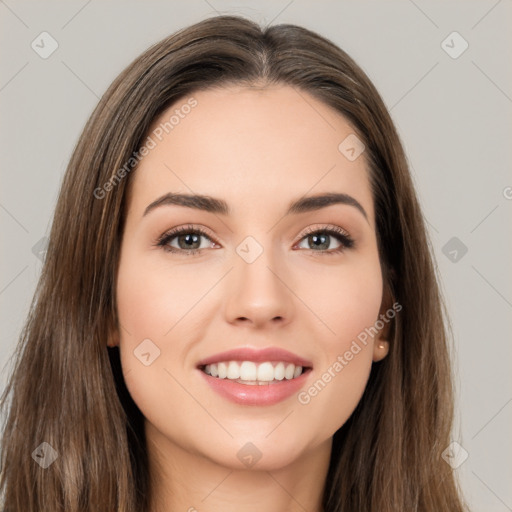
67	388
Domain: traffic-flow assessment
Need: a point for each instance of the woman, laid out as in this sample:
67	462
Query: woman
238	296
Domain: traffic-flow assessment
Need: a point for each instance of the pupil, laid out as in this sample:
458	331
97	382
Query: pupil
316	238
190	239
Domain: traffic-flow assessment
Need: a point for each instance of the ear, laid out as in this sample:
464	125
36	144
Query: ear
113	337
382	338
112	342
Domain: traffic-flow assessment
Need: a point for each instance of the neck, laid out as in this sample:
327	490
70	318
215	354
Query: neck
190	482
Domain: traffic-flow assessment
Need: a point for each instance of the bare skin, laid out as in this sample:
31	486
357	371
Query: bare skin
258	149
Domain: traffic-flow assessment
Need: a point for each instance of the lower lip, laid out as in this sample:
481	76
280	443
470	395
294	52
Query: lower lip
256	394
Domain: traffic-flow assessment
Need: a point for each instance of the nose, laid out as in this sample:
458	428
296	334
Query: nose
258	293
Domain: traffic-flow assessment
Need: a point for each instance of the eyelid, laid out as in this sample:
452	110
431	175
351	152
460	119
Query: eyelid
173	232
320	227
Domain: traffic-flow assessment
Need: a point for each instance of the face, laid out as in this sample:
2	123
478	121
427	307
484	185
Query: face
305	285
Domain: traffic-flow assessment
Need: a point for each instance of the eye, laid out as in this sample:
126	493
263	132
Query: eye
321	239
187	240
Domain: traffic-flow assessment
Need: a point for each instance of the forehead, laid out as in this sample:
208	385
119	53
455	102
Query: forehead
248	145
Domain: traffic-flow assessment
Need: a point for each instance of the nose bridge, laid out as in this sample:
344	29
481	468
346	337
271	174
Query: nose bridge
257	290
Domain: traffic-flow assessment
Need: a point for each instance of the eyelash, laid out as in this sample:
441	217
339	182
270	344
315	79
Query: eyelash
341	235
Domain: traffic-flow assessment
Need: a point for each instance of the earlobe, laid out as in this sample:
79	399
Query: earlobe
381	343
113	339
112	334
380	350
112	343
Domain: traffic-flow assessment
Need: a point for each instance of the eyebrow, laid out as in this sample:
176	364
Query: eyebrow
219	206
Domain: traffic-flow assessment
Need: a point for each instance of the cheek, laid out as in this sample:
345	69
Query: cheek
348	302
153	297
355	305
152	301
346	299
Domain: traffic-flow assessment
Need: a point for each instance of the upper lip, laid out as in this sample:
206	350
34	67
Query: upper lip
256	355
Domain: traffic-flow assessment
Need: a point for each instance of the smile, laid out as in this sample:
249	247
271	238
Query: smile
255	376
252	373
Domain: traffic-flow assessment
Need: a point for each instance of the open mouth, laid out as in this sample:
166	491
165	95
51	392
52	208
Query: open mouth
255	374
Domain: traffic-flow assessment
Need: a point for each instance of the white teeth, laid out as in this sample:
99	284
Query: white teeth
222	370
288	373
279	371
249	372
266	372
233	371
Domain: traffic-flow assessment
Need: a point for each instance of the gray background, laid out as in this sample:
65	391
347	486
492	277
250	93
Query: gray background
453	114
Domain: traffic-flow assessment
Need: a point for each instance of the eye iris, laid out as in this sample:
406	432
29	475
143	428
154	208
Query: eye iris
191	238
324	244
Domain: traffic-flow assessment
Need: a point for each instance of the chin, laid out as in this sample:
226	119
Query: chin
255	454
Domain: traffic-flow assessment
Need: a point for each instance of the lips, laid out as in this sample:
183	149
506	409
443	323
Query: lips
274	383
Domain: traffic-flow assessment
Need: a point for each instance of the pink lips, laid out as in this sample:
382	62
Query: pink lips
266	394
